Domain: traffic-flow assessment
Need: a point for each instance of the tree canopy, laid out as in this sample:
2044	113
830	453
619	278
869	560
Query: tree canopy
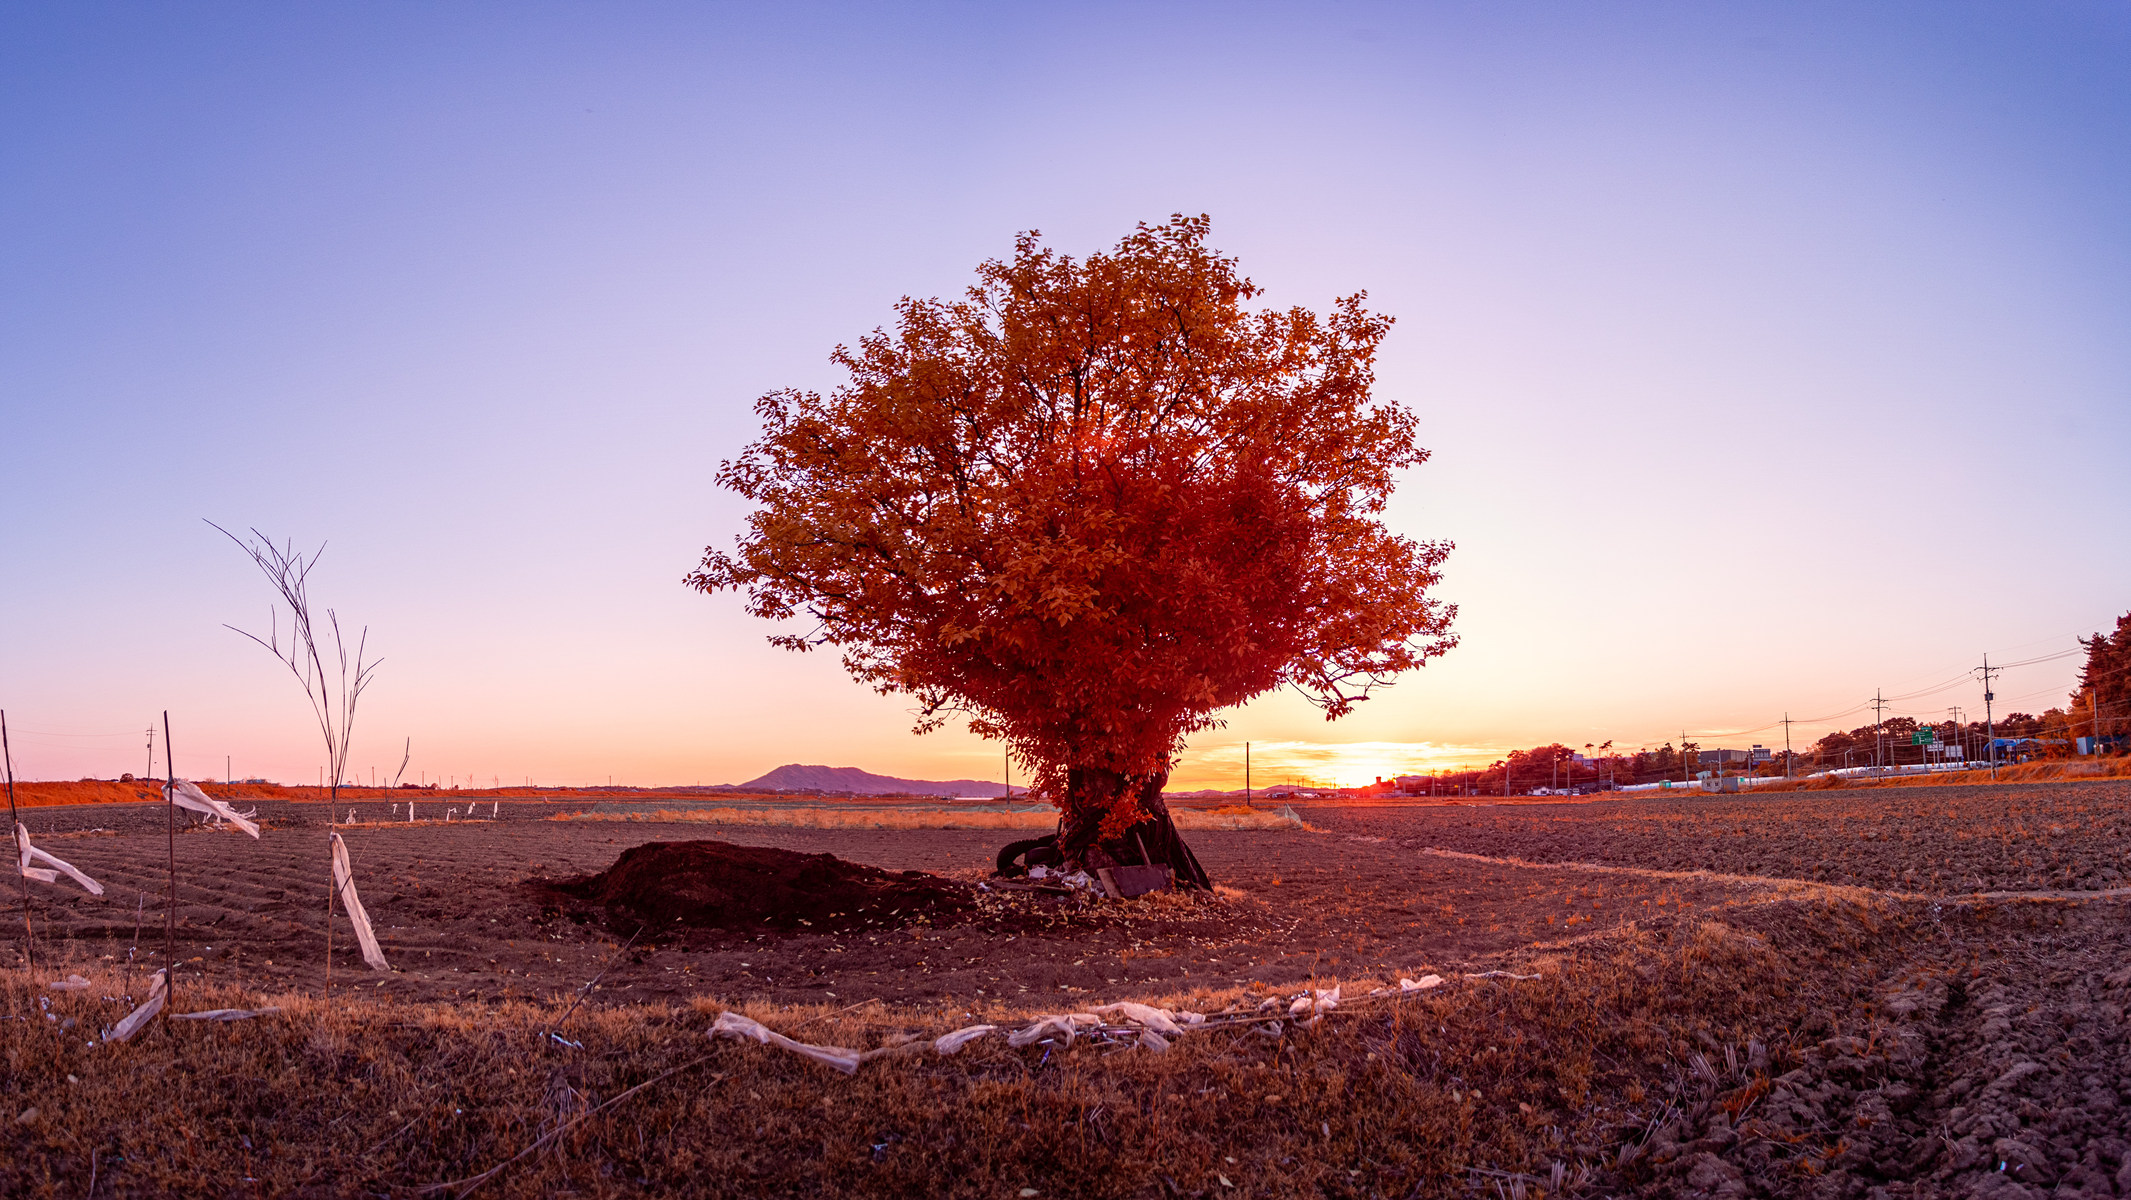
2105	680
1090	504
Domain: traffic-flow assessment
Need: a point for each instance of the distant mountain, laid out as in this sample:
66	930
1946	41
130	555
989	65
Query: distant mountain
792	777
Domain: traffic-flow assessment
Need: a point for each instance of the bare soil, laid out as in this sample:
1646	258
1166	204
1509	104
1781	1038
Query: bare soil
466	911
1936	840
1898	993
708	884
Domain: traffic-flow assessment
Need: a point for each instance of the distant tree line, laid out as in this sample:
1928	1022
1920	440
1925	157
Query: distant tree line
2100	708
1559	768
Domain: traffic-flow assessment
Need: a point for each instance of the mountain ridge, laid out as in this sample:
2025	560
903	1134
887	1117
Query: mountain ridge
806	777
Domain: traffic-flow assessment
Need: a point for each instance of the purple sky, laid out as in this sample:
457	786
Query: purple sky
1770	354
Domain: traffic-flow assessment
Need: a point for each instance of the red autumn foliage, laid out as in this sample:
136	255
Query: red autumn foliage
1089	505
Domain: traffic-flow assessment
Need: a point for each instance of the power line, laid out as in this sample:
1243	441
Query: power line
2028	662
1881	704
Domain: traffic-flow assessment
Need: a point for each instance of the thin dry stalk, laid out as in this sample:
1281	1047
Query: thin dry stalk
29	933
133	952
466	1186
587	989
170	904
331	888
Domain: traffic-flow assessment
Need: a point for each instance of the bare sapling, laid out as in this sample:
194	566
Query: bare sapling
333	700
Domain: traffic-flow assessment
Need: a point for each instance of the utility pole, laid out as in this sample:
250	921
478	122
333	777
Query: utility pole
1683	756
1786	745
1990	726
151	753
1960	737
1246	774
1878	737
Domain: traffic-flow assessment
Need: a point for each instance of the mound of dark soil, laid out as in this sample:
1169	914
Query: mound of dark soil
717	885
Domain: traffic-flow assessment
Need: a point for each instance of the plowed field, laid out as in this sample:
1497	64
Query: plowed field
1938	841
1925	994
460	916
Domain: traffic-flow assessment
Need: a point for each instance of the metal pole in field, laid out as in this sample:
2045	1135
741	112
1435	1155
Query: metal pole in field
1786	745
1246	774
1990	725
170	849
1879	708
332	886
29	933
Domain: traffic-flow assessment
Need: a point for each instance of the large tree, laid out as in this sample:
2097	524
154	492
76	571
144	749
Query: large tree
2104	695
1088	506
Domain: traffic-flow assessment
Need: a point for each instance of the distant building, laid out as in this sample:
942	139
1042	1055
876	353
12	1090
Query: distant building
1723	758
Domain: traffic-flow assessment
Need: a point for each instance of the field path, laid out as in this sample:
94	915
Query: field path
1787	888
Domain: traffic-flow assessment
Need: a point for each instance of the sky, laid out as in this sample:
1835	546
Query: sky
1769	354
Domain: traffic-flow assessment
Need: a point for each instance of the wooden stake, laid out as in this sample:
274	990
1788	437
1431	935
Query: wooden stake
170	845
29	934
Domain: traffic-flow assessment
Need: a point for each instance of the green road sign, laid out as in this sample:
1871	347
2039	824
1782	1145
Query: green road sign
1927	736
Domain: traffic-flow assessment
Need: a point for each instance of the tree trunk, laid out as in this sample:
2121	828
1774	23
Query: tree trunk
1091	792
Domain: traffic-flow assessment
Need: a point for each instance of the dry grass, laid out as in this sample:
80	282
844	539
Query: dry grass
1408	1098
50	792
920	818
87	791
